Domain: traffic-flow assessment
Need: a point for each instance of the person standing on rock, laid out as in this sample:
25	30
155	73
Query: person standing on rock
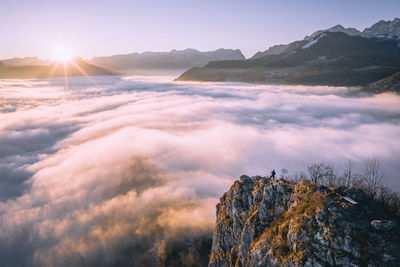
273	173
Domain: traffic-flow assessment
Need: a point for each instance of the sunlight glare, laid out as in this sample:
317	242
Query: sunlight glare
62	53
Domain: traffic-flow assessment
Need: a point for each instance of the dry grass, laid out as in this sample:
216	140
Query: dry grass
307	204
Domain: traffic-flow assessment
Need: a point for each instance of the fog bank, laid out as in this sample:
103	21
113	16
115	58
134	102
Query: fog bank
127	170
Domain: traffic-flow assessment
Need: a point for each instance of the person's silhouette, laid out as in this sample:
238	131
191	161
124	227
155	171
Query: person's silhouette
273	173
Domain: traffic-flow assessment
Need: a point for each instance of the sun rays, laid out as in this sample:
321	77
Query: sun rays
66	65
62	53
64	60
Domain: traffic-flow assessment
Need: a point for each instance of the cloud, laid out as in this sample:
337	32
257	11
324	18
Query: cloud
128	170
120	215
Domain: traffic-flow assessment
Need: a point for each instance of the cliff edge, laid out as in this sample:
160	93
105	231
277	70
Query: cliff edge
262	222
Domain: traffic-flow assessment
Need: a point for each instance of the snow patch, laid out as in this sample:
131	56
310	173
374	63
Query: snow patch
313	42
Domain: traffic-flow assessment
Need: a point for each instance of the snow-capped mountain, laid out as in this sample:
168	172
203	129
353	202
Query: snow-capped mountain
385	29
337	28
331	58
382	29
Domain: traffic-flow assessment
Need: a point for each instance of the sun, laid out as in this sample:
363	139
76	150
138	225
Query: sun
62	53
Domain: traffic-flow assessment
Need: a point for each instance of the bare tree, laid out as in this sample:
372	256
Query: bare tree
284	173
321	173
370	180
348	173
297	177
329	175
390	198
316	172
341	181
373	176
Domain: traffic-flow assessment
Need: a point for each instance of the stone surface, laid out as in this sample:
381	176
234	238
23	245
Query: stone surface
383	225
261	222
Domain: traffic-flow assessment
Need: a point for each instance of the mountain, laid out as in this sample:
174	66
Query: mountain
75	67
175	59
381	29
337	28
384	29
331	58
273	50
26	61
278	49
389	84
261	222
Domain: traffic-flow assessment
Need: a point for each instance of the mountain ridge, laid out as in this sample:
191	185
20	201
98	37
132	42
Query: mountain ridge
75	67
388	29
175	59
389	84
384	29
26	61
331	58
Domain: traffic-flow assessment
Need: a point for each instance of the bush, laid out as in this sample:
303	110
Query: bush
371	180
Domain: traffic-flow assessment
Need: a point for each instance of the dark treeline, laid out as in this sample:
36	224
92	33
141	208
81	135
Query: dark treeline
371	179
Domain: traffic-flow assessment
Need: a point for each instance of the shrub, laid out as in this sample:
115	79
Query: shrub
321	173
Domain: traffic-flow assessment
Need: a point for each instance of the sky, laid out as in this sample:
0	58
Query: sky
95	28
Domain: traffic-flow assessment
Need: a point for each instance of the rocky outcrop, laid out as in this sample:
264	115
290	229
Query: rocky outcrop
261	222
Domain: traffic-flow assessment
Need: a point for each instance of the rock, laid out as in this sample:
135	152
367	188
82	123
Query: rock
261	222
387	258
383	225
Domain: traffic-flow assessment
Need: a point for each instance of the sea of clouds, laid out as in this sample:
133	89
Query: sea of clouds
108	171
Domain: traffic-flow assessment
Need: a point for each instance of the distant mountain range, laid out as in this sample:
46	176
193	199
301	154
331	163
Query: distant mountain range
337	56
76	67
26	61
173	60
33	67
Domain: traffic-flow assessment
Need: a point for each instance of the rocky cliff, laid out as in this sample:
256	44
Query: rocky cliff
261	222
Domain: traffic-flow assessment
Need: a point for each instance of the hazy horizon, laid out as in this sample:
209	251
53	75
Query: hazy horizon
102	28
